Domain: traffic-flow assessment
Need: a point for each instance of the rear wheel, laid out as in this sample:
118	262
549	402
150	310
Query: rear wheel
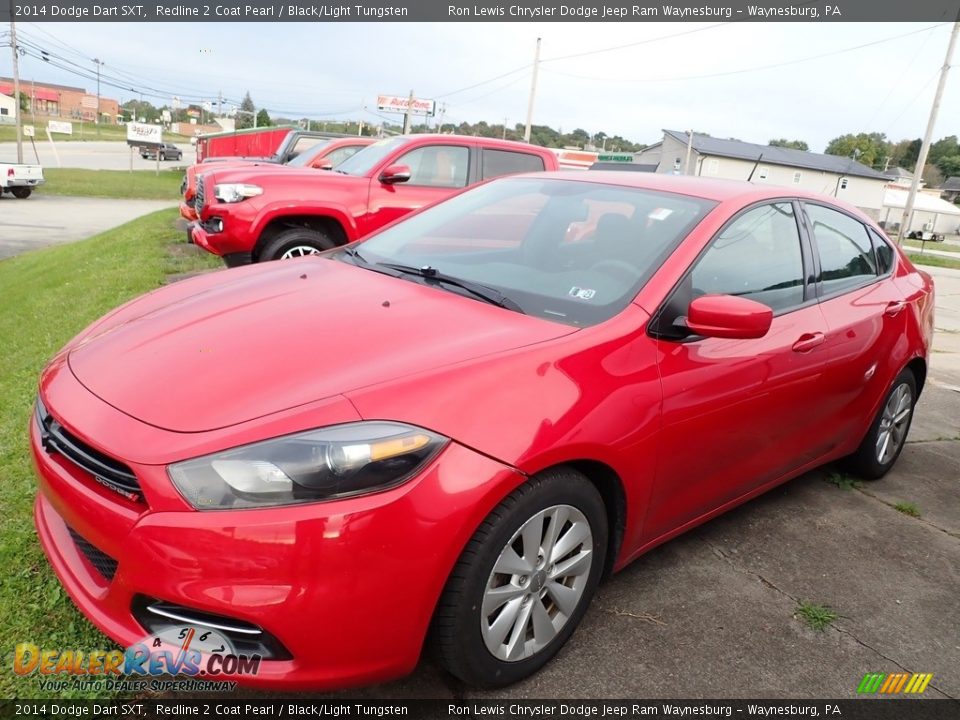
524	581
884	440
296	242
21	192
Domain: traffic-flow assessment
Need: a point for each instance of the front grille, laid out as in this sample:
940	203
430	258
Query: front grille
104	564
105	470
199	198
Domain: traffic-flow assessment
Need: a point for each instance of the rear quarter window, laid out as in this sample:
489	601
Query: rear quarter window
507	162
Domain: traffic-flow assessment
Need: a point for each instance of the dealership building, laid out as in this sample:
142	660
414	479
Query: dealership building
63	101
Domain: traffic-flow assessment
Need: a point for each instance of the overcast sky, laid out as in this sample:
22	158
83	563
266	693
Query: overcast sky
714	77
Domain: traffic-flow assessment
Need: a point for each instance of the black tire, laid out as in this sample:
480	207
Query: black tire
21	193
866	461
289	240
456	634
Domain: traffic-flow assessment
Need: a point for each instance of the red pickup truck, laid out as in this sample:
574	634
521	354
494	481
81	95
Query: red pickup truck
269	213
322	154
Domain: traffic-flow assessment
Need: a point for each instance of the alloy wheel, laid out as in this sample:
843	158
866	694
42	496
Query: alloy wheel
537	583
299	251
893	423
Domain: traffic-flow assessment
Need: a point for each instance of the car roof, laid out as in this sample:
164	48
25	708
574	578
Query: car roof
701	187
443	138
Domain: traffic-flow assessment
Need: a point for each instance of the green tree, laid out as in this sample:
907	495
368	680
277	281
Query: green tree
245	117
949	165
865	148
793	144
263	119
945	147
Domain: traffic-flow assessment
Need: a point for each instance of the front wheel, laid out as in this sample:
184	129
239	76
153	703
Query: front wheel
296	242
21	193
884	440
524	581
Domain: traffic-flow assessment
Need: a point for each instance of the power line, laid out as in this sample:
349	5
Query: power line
756	68
633	44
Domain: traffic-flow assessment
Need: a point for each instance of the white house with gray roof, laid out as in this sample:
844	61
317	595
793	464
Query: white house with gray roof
832	175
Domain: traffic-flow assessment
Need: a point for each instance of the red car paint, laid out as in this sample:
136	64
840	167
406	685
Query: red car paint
345	207
689	429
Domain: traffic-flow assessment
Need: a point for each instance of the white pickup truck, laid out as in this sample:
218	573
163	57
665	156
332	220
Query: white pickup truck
19	180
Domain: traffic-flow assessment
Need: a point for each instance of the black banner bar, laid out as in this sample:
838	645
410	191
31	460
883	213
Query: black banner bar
866	709
467	11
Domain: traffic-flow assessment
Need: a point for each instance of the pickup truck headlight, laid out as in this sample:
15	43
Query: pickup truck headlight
325	464
235	192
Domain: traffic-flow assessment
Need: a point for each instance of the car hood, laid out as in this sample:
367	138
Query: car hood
279	335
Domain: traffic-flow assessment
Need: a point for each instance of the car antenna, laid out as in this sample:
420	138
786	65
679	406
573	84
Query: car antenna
755	167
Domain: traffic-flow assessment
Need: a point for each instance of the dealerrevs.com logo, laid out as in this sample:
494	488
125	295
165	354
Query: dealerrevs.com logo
187	658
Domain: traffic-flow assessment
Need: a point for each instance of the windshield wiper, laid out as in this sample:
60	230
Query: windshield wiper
431	274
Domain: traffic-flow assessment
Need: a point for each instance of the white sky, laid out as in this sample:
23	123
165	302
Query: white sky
333	70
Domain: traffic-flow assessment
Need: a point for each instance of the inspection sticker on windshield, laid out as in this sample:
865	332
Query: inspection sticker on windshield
660	214
582	293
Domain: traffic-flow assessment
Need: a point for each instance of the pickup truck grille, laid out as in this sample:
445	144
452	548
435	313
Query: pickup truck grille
200	198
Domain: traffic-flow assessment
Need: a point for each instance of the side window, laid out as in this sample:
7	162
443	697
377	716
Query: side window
340	154
884	253
437	166
758	257
505	162
846	253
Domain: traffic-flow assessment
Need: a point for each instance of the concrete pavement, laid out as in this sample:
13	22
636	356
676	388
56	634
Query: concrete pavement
43	220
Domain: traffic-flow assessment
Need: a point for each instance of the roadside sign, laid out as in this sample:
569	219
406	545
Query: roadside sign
166	115
616	157
143	134
59	126
29	131
397	104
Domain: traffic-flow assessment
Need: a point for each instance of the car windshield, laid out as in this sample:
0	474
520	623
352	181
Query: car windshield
369	157
304	158
565	250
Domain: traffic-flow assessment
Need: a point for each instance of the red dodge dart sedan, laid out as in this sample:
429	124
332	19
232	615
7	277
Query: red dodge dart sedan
455	428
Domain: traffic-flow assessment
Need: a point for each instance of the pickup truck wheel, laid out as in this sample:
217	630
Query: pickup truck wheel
21	192
296	242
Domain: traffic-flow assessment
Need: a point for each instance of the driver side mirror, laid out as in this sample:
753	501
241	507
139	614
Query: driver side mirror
728	316
395	174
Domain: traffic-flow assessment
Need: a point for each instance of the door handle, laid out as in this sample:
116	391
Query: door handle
808	341
893	308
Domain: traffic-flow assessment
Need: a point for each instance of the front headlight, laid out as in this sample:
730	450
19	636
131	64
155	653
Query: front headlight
325	464
235	192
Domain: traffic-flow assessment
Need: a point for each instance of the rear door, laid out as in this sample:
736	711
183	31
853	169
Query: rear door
866	316
739	413
437	171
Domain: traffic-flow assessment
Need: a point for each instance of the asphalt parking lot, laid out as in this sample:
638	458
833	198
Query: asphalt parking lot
43	220
92	155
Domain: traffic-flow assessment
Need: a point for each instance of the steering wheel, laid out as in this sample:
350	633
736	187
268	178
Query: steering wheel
619	269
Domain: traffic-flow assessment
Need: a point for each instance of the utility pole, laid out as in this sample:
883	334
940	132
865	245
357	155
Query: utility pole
505	128
533	92
406	115
16	87
98	63
686	162
925	146
220	104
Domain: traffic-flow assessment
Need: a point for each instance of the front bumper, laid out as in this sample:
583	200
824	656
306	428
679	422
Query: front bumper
348	587
187	212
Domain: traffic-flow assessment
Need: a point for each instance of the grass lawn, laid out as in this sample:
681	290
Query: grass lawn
941	246
86	133
140	184
48	297
934	260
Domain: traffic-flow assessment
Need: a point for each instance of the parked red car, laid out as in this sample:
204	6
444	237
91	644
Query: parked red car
257	214
466	420
324	154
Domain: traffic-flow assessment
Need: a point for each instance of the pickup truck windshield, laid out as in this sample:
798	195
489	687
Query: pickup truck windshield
368	158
